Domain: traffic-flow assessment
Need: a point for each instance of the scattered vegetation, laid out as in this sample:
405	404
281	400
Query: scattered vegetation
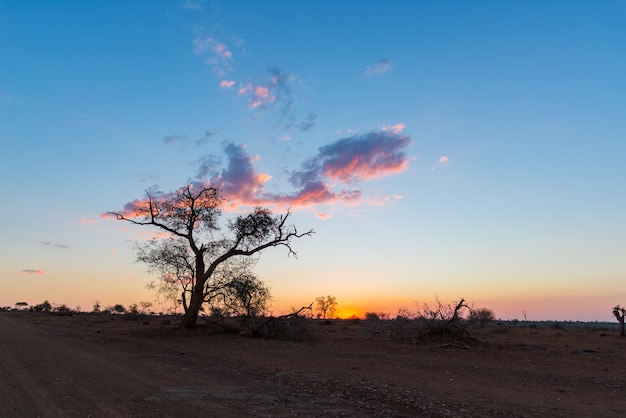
45	306
482	316
449	322
326	306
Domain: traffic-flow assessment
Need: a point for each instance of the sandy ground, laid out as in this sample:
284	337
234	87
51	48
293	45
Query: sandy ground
104	366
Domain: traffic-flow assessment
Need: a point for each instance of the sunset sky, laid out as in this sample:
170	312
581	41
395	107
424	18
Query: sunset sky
442	149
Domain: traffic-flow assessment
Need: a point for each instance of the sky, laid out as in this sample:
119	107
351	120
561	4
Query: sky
439	150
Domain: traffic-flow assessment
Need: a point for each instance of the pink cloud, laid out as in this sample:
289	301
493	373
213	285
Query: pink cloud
84	221
274	90
327	178
349	160
396	129
227	83
364	157
442	160
30	271
217	53
323	216
258	95
221	50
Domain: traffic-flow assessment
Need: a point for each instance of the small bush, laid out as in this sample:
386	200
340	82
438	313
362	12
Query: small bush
293	328
447	320
62	309
372	316
481	316
42	307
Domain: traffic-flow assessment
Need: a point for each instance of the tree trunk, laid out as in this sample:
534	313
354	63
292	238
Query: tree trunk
622	331
191	315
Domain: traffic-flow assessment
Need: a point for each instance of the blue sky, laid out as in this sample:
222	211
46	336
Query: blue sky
449	149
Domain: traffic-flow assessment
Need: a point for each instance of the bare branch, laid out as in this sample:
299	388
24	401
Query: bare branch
195	257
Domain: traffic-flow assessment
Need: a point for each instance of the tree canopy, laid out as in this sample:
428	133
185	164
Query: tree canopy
197	258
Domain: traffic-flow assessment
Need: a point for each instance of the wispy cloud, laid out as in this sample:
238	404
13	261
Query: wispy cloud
171	140
54	244
192	4
271	90
227	83
6	98
397	128
442	160
32	271
308	123
84	221
216	54
208	135
259	96
381	67
208	167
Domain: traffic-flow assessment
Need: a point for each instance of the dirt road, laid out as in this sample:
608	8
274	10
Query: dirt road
51	372
105	366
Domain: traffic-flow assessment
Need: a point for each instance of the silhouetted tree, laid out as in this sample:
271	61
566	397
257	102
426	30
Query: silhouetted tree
96	307
45	306
197	255
21	305
327	305
620	313
144	306
119	308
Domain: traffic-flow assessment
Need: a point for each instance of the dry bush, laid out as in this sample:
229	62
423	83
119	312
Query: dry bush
290	328
445	319
481	316
448	321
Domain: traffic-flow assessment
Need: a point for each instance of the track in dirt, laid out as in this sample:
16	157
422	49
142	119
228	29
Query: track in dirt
51	372
105	366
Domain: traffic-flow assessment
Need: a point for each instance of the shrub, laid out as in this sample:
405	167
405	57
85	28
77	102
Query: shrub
482	316
445	319
372	316
292	328
45	306
62	309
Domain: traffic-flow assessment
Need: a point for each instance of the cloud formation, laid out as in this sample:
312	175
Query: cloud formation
54	244
381	67
274	88
210	133
308	123
171	140
344	163
217	54
331	177
442	160
192	5
31	271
